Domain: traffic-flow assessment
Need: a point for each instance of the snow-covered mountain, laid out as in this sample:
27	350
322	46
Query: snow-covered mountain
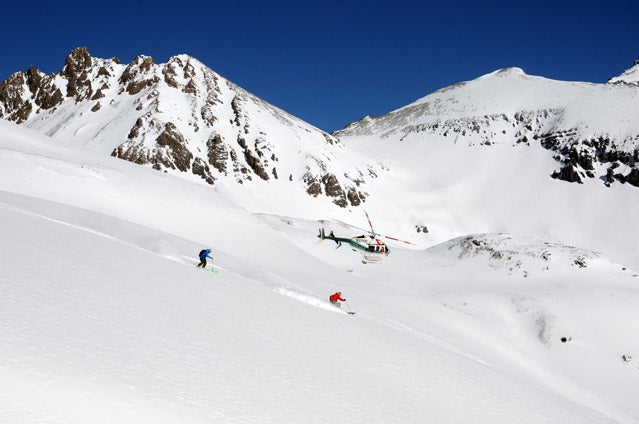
480	156
630	76
183	118
591	130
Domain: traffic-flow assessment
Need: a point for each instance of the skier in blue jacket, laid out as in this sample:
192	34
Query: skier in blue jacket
203	255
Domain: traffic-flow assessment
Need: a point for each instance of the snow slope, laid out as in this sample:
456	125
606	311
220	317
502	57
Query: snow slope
478	157
106	319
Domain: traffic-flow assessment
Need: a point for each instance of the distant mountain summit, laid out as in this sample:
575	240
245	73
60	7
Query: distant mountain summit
630	76
592	130
181	117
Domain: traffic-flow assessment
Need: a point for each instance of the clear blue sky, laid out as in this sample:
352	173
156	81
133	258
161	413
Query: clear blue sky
332	62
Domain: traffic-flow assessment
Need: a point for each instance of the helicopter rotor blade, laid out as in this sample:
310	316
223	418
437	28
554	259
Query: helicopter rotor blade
396	239
370	224
379	243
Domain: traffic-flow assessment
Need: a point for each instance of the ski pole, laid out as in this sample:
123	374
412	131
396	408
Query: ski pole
349	306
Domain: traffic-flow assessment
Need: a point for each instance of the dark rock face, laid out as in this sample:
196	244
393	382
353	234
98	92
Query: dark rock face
11	96
17	105
179	155
138	75
421	229
579	157
329	185
43	91
333	189
313	186
633	177
170	152
218	154
76	70
202	169
568	173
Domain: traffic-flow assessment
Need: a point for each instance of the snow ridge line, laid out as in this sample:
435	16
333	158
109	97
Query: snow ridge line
57	221
85	229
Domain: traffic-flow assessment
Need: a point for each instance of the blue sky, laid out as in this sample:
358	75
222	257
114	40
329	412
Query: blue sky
332	62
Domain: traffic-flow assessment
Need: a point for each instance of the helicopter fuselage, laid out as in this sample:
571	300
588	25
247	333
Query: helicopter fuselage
365	243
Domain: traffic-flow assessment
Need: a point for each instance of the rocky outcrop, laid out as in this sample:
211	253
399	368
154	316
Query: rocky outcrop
329	185
579	158
14	107
139	75
77	67
568	173
202	169
169	151
218	154
26	92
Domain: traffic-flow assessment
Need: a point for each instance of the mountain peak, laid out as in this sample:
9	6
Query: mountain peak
78	60
506	72
629	76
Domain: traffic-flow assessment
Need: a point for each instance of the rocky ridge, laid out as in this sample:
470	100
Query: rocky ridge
181	117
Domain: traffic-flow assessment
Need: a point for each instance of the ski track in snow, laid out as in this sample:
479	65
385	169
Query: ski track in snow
308	299
57	221
98	233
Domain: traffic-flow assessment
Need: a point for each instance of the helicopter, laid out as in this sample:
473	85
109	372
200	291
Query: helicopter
371	246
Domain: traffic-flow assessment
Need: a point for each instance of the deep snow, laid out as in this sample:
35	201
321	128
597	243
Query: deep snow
105	317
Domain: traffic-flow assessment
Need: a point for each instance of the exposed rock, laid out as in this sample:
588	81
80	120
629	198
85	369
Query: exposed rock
135	75
171	151
633	177
177	149
313	186
98	94
255	164
76	68
355	197
235	105
103	72
169	76
421	229
331	186
580	262
568	173
190	88
218	154
16	107
202	169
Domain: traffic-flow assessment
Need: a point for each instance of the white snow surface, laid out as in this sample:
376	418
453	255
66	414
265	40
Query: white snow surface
105	318
629	76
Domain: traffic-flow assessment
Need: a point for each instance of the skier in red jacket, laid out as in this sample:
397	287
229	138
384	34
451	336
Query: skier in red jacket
335	298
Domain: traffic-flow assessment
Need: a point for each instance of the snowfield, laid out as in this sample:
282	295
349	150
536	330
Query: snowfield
105	318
